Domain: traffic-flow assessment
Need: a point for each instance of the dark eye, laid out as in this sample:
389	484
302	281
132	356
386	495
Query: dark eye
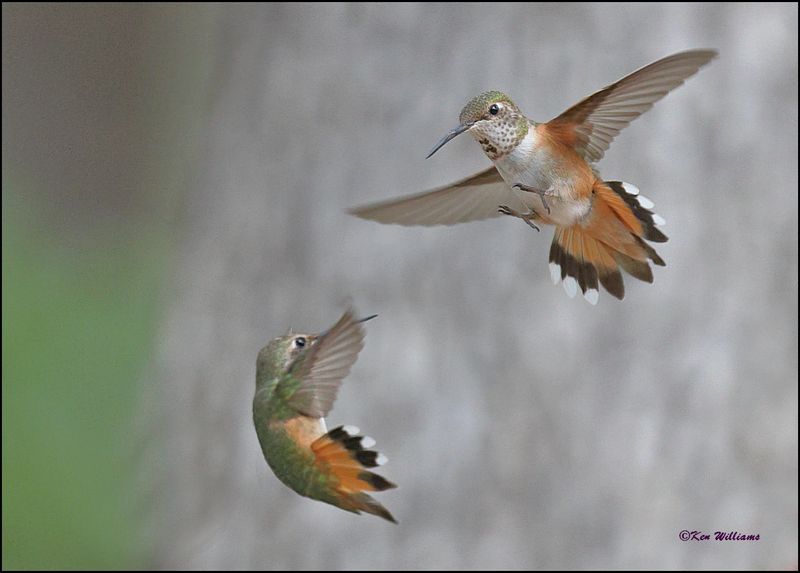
299	342
494	109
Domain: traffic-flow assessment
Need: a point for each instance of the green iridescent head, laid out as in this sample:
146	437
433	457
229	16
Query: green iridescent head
276	357
480	107
492	119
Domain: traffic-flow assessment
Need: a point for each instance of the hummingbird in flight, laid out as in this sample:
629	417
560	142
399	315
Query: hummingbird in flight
297	379
544	174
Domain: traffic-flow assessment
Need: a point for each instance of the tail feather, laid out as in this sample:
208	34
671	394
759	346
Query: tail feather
638	269
613	283
651	253
611	238
581	261
362	502
640	206
343	455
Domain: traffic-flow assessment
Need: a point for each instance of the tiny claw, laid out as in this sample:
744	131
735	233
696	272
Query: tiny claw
541	194
506	210
531	225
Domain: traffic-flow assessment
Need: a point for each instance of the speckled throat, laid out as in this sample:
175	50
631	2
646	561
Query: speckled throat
499	137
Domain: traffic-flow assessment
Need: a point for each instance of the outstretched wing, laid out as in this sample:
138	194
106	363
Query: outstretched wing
592	124
471	199
322	367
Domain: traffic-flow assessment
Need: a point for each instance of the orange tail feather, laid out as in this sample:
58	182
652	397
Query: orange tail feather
611	238
342	454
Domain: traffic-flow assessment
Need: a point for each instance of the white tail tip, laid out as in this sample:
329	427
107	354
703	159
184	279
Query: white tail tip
381	459
658	220
645	202
630	189
591	295
367	442
571	287
555	273
351	430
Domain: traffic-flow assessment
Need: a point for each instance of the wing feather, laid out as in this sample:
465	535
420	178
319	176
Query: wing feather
597	119
471	199
322	368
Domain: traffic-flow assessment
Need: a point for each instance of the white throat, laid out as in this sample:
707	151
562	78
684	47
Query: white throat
519	159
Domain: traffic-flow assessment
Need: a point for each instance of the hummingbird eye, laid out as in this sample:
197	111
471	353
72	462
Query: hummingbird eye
494	109
299	342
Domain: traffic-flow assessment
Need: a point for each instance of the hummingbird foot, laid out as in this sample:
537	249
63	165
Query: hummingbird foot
506	210
539	192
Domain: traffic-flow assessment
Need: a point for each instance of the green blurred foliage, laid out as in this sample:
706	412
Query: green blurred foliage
103	108
78	323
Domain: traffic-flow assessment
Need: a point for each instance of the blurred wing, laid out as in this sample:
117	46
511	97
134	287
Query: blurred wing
592	124
322	368
471	199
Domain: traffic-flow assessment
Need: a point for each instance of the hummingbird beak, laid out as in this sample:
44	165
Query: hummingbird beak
457	131
321	334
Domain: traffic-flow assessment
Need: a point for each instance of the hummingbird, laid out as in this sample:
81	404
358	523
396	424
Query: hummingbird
297	379
543	173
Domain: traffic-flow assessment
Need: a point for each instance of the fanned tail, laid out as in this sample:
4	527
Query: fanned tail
611	238
342	454
641	207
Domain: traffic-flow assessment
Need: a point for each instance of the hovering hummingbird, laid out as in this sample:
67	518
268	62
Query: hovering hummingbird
543	173
297	378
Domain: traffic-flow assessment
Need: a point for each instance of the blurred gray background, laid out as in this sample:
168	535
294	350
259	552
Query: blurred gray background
524	429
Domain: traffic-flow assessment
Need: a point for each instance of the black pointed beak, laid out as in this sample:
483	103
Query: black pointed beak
321	334
457	131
